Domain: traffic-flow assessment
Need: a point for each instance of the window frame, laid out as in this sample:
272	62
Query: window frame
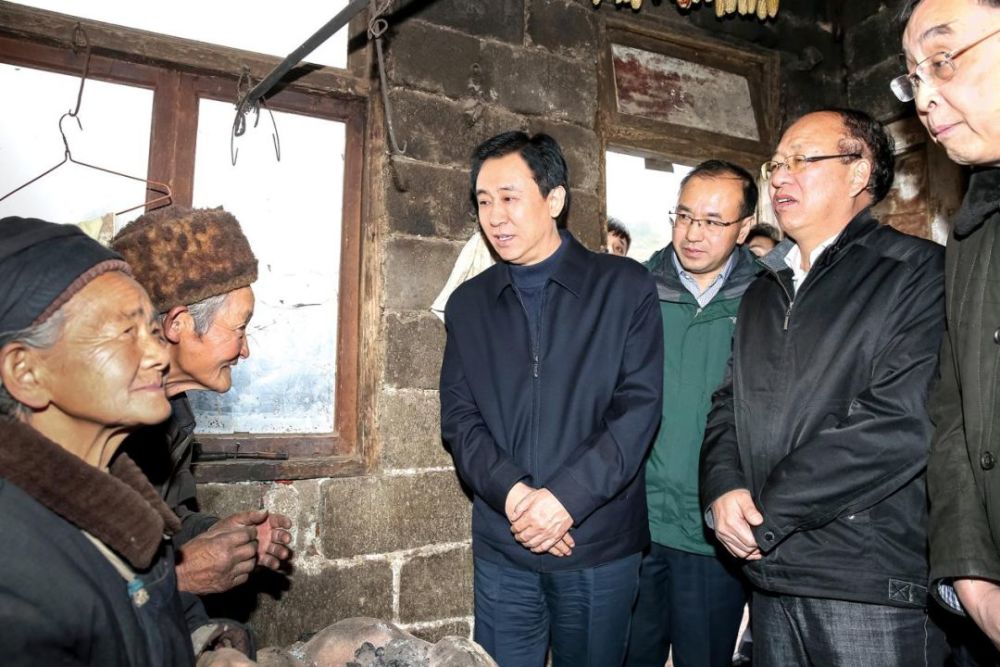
180	73
650	138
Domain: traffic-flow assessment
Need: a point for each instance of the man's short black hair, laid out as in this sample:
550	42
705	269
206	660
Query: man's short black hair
723	169
765	230
616	227
541	153
910	5
868	136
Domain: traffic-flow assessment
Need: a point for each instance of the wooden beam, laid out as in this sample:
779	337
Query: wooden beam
142	46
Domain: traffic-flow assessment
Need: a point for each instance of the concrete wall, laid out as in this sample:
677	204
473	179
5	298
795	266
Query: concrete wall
394	544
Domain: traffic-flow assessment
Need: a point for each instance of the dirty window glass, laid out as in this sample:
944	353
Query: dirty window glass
291	212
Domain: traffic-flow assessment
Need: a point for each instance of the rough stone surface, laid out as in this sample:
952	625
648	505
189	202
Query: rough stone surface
802	92
435	203
499	20
585	220
414	349
223	500
582	149
535	82
869	91
445	132
424	577
433	59
870	42
416	270
435	633
373	515
566	28
411	430
314	601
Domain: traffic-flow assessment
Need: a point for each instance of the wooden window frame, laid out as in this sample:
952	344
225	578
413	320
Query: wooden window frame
180	73
646	137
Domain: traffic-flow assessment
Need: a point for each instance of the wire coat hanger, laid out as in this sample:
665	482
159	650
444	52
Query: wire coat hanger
165	194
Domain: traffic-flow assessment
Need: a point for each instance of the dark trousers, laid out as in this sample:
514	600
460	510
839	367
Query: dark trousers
585	613
789	630
688	602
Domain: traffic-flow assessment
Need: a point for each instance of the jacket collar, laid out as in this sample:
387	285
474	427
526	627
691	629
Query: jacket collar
181	424
860	225
571	272
981	201
121	509
670	288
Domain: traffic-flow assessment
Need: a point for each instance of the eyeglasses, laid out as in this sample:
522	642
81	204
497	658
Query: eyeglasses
797	163
932	70
681	219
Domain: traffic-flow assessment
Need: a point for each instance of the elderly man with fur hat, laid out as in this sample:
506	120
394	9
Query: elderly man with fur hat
197	266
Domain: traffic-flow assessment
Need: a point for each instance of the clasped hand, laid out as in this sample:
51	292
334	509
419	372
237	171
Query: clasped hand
539	521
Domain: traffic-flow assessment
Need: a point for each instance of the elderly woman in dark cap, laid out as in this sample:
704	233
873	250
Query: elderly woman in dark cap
86	567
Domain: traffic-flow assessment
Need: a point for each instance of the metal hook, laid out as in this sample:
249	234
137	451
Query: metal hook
80	40
243	86
376	28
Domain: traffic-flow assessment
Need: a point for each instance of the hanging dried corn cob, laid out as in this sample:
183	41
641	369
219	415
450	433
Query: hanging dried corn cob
764	9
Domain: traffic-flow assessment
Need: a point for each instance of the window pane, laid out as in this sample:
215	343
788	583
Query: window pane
291	213
115	135
274	29
628	178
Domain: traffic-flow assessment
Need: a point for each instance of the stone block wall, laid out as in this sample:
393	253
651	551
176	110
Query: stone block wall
872	44
394	543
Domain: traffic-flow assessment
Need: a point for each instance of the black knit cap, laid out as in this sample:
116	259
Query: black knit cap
42	265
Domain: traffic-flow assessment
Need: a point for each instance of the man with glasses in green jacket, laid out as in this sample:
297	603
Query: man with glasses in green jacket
691	594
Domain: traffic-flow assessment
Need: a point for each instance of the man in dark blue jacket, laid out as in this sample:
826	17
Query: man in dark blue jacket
550	396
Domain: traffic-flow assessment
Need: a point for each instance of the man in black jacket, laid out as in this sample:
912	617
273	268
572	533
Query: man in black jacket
952	49
813	467
550	395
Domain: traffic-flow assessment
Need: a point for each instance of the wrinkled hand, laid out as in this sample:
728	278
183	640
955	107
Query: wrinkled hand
734	513
272	537
222	557
540	522
981	600
224	657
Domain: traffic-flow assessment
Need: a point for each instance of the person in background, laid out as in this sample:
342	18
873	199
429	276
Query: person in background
691	593
762	238
952	48
619	239
550	396
814	461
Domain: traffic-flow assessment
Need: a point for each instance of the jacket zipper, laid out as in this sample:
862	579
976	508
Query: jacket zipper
533	337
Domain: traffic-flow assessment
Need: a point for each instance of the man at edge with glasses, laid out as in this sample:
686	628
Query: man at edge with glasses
814	460
691	594
952	50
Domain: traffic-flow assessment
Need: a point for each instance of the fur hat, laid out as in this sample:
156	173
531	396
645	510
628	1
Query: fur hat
183	256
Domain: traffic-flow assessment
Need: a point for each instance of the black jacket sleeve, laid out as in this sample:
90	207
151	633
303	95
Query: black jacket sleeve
884	441
961	543
720	470
481	463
